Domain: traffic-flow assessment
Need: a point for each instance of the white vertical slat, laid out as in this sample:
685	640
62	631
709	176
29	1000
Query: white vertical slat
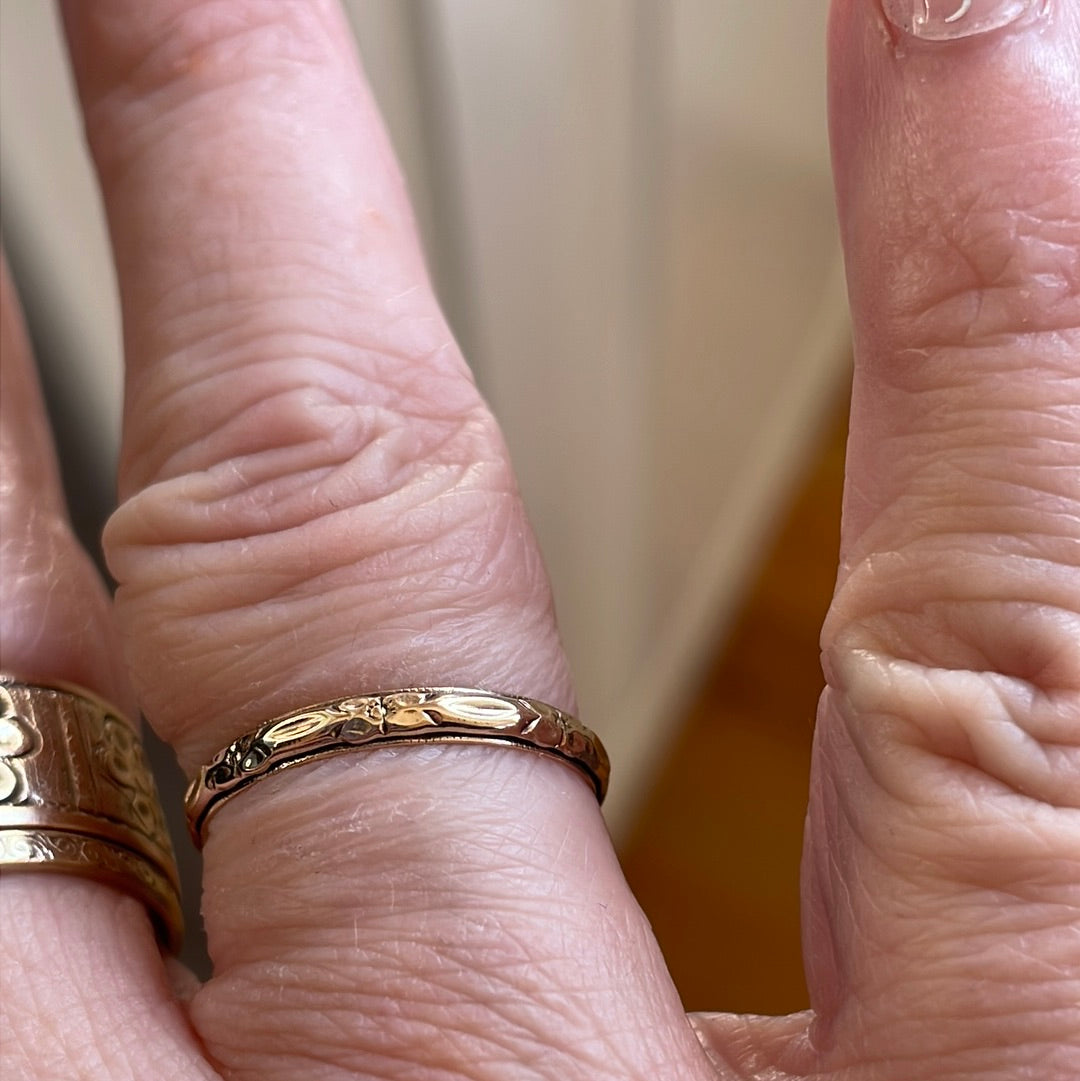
544	100
752	339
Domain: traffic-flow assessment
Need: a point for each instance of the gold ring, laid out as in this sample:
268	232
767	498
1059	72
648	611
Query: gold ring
77	797
365	722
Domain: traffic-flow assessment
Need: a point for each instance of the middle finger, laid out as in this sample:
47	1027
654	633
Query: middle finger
318	503
288	368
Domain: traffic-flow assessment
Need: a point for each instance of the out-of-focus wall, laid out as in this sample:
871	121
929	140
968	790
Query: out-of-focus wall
628	216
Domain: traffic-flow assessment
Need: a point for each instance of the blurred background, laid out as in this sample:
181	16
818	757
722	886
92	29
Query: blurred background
628	215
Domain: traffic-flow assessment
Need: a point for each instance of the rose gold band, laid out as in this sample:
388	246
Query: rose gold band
418	714
77	797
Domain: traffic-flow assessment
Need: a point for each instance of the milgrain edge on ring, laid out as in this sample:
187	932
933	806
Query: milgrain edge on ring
409	715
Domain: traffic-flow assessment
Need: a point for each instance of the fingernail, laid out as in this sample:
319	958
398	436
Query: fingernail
946	20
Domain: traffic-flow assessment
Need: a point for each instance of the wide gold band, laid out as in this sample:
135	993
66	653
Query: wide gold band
416	714
77	797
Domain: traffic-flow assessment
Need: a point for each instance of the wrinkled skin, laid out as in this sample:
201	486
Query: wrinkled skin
314	499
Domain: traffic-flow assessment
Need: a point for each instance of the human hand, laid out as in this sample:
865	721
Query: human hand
315	501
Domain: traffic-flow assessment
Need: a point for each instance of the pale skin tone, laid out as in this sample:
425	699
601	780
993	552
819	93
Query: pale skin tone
314	500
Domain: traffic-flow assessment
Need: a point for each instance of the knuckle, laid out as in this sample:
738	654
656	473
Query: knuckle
959	683
320	479
388	540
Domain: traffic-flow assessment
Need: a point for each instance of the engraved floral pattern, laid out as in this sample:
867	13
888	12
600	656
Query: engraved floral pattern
436	714
81	799
120	756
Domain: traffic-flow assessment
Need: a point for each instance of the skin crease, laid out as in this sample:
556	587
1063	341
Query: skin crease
72	636
314	498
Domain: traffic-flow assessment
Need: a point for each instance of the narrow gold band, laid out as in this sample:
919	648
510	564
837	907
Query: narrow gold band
77	797
417	714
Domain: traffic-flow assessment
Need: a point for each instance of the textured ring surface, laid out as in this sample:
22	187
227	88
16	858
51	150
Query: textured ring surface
77	797
417	714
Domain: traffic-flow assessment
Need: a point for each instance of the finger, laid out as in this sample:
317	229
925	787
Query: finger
318	503
943	858
46	575
74	950
289	369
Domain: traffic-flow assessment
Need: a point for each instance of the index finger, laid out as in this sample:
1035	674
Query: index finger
943	858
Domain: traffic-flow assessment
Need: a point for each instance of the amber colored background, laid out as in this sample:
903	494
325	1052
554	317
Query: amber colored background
714	856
